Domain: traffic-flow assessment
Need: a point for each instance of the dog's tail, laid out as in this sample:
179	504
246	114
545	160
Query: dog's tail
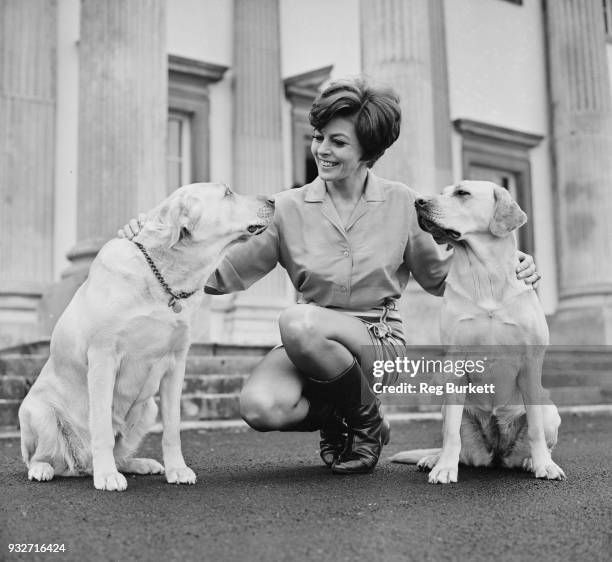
414	456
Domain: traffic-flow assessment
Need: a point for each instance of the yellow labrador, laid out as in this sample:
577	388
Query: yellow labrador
513	423
125	335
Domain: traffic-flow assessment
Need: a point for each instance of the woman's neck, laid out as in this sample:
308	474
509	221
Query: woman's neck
348	189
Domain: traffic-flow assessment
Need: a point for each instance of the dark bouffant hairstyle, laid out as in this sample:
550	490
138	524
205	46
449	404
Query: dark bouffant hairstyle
376	111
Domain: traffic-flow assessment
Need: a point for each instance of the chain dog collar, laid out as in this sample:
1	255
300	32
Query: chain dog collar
175	296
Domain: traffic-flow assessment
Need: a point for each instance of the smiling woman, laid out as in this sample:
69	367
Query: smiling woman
349	242
374	112
320	378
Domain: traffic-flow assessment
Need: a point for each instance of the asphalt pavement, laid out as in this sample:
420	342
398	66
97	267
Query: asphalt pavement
268	497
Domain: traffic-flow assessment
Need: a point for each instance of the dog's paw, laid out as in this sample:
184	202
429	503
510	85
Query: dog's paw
140	466
41	471
443	474
428	462
550	471
110	481
180	475
547	469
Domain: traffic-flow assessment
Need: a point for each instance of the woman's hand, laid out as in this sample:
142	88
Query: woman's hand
526	269
133	227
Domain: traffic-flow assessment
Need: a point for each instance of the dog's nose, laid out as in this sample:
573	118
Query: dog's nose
420	202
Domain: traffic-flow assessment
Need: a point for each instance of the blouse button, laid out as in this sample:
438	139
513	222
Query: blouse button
346	253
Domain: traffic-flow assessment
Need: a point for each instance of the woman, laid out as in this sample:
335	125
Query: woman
349	242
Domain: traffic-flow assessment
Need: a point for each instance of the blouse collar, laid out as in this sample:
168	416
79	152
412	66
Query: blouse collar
315	191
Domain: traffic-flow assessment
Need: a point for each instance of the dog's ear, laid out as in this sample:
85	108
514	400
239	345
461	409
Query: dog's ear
180	217
507	215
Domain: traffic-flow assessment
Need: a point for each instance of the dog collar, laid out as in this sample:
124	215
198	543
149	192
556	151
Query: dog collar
175	296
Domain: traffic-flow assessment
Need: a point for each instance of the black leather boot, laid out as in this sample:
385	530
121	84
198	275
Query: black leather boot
322	415
334	436
319	415
368	431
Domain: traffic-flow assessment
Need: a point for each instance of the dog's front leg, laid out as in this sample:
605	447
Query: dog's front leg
177	472
540	463
446	469
101	386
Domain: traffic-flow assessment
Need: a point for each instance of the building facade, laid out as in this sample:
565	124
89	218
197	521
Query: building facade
106	106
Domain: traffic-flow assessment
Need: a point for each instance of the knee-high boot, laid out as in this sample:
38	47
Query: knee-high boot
322	415
368	431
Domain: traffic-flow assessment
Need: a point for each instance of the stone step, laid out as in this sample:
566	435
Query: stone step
210	406
8	412
584	395
221	365
197	349
213	384
13	386
577	378
29	366
26	366
215	374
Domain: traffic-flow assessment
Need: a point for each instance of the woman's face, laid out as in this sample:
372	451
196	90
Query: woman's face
337	151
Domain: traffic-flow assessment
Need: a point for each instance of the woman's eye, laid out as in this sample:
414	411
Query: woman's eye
317	138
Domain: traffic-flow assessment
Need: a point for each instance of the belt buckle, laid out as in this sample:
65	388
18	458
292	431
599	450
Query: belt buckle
380	330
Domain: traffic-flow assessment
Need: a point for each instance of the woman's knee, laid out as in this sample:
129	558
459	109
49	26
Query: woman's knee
262	411
299	330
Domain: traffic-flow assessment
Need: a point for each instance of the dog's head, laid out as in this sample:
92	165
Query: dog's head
470	207
209	214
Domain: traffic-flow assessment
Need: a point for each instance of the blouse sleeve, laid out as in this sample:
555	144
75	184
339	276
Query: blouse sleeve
245	263
428	262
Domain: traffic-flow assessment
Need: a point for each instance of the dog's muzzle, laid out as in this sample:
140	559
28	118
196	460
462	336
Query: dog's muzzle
439	233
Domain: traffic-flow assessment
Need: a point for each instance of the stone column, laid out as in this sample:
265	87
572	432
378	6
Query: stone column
581	103
251	317
28	38
404	46
122	127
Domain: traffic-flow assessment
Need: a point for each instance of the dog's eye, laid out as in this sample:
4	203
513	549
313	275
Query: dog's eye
228	192
461	192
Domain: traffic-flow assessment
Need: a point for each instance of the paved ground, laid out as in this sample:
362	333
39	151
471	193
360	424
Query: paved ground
266	497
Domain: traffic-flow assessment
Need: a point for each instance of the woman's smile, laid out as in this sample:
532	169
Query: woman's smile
338	153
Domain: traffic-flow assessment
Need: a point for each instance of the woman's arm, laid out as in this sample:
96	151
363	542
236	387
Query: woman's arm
428	262
244	263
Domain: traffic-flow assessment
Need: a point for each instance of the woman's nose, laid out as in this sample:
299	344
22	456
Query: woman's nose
323	148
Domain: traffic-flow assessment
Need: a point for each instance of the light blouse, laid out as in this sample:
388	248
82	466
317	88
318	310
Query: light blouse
357	267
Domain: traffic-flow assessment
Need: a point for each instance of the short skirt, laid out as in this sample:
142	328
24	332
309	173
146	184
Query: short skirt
387	340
